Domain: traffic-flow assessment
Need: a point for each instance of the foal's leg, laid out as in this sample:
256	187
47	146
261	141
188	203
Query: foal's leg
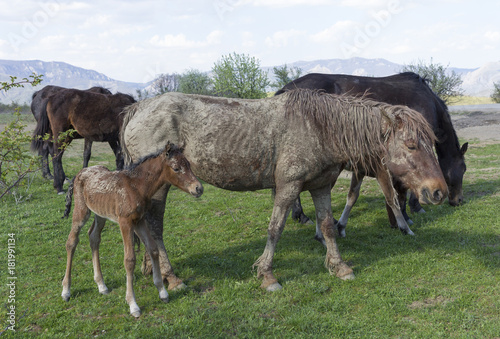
127	230
154	220
143	232
385	182
80	216
333	261
95	240
285	195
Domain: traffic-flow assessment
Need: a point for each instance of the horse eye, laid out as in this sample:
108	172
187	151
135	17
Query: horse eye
176	169
412	146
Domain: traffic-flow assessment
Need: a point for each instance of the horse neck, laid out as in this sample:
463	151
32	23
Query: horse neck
149	176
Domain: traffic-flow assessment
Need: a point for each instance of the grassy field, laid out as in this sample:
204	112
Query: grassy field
443	282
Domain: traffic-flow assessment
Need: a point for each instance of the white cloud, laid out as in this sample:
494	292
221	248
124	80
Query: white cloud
181	41
283	38
492	36
285	3
96	20
338	32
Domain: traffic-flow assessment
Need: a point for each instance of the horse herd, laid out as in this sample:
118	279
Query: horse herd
299	140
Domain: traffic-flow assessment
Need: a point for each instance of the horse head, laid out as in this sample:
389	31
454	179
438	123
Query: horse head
410	157
178	171
453	168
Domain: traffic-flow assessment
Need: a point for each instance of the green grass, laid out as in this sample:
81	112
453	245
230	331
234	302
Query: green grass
443	282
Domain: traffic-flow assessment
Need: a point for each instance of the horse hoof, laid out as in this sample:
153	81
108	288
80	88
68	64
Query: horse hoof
274	287
104	292
165	300
60	193
136	314
65	296
421	211
320	239
179	287
409	222
407	232
349	276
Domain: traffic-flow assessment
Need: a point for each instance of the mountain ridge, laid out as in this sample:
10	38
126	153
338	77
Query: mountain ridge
477	82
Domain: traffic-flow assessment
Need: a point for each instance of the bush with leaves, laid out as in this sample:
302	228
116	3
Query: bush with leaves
194	81
285	75
239	76
446	84
495	96
16	162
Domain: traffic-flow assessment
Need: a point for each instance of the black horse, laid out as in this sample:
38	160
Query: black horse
39	101
400	89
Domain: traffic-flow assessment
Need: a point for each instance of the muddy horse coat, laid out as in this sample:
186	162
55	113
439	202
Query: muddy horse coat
287	143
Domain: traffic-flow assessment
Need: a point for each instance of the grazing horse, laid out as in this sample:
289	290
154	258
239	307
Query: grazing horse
298	141
38	107
401	89
94	116
123	197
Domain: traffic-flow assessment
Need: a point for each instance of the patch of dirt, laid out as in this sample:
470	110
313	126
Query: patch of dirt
477	122
430	302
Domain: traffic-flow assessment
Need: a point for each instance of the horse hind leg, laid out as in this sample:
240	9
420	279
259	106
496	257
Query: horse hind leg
80	216
87	152
143	232
115	146
95	240
127	231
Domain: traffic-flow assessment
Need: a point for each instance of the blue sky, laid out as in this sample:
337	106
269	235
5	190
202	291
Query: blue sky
136	40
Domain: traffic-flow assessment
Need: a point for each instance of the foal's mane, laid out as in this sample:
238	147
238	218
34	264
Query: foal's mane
357	127
170	149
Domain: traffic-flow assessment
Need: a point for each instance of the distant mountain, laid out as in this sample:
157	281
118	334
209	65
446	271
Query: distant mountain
59	74
480	82
477	82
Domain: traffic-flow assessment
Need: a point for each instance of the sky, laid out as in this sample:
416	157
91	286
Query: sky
137	40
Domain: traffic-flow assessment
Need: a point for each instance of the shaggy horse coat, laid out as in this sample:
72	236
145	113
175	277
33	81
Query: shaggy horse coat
299	141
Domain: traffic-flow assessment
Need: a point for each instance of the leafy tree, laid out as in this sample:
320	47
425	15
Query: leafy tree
194	81
284	75
16	162
444	83
239	76
496	92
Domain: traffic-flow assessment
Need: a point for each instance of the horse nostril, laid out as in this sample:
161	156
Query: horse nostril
199	190
438	195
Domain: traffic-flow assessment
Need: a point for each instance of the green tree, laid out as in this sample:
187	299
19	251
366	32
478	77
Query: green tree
239	76
16	162
446	84
496	92
284	75
194	81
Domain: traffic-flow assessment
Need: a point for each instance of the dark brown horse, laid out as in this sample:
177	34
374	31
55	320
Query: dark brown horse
401	89
94	116
39	101
298	141
123	197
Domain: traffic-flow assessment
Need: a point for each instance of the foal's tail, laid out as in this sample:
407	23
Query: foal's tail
69	198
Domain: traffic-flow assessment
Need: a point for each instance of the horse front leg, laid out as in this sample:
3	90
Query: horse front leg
143	232
44	154
87	152
285	195
385	182
324	218
117	150
95	240
415	206
298	213
127	231
154	220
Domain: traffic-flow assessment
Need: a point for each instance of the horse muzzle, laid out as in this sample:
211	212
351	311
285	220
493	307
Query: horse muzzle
434	197
197	191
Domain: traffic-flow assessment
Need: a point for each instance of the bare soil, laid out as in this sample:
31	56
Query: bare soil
477	122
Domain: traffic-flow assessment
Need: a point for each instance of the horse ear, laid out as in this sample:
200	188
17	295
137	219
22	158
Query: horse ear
168	148
464	148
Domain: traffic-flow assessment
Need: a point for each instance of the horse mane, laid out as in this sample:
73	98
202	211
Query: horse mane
170	149
357	127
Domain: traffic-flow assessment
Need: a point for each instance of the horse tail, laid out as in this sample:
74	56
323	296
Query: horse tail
42	128
69	198
128	113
